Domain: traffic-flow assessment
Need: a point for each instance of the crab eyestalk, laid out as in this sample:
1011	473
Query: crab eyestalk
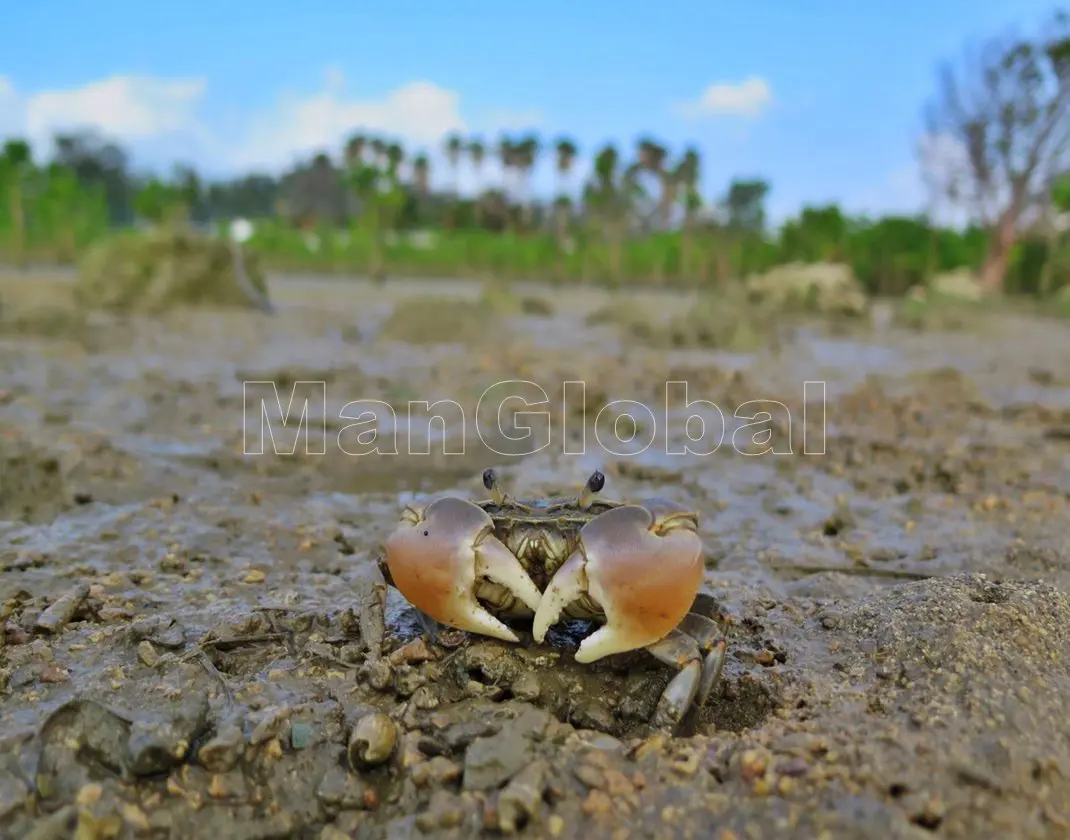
591	489
490	481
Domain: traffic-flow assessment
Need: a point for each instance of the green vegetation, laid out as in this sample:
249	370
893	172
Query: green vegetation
639	219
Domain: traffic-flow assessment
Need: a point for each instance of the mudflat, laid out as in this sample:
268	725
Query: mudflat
185	648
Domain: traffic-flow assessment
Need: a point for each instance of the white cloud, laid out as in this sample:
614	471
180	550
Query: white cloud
10	118
137	111
160	120
125	107
419	113
748	98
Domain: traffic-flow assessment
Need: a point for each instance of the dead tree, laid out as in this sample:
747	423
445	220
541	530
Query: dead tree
998	135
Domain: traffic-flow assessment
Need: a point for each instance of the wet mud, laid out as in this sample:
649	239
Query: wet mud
187	649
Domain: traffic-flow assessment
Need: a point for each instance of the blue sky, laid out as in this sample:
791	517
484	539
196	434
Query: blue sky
234	84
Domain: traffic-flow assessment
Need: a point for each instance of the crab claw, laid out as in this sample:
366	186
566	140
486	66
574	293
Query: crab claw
438	556
642	565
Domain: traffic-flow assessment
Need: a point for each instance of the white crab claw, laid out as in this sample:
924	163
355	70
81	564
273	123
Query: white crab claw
436	557
642	565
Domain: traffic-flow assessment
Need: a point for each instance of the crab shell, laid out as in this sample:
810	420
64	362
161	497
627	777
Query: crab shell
634	567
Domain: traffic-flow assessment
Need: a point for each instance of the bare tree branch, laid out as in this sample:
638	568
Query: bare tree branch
998	133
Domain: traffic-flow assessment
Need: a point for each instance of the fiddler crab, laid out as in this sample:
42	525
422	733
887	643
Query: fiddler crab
634	567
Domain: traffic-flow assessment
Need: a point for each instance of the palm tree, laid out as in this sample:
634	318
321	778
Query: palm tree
354	151
605	167
566	157
608	198
507	157
395	155
651	155
454	149
477	153
379	147
687	175
652	159
421	174
16	160
527	155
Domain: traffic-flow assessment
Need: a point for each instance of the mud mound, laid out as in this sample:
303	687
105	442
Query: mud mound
722	320
961	284
165	267
31	479
626	315
826	288
46	321
445	320
442	320
500	298
933	313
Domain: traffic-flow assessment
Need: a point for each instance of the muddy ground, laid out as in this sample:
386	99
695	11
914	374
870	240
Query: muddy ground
185	654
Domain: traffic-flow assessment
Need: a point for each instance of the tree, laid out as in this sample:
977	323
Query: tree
1055	223
527	154
157	201
609	198
454	149
421	175
817	234
98	162
687	175
565	157
507	157
744	205
477	153
377	187
16	161
1003	126
190	190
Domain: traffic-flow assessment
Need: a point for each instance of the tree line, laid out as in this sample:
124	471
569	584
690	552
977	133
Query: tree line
639	217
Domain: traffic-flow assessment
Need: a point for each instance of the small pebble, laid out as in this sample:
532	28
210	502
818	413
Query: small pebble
521	798
380	675
439	770
62	610
590	776
597	804
527	687
146	653
254	576
135	817
88	794
300	735
753	764
686	764
52	673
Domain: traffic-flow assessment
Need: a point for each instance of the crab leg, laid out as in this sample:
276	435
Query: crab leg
681	652
438	555
710	638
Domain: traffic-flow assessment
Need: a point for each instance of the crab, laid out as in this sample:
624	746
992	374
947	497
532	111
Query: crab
635	568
